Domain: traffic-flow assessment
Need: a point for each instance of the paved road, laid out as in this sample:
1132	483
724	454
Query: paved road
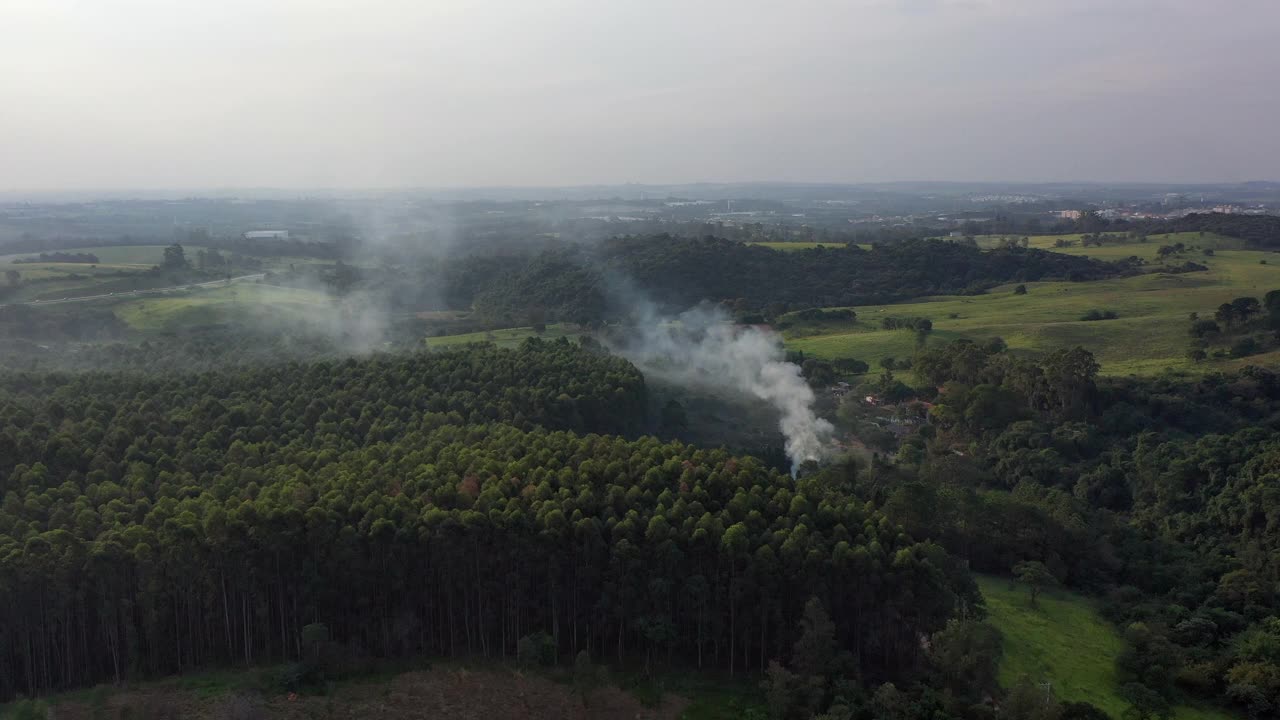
135	293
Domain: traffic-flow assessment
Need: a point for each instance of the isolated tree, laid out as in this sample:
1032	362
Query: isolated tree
1020	289
1035	576
314	636
923	327
175	258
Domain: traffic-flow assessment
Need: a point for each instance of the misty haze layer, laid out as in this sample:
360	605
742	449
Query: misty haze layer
390	93
702	348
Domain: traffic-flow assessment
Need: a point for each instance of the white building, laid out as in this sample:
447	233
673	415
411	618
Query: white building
266	235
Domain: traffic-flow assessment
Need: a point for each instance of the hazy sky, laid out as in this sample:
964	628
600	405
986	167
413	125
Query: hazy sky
116	94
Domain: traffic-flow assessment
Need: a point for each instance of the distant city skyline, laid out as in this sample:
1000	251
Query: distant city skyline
294	94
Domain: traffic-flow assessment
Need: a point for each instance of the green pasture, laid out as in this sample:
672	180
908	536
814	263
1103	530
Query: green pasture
1065	642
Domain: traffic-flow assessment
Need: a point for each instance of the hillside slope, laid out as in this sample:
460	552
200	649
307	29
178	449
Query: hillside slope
1064	642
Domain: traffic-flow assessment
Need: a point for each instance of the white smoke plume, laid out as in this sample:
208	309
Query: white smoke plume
703	348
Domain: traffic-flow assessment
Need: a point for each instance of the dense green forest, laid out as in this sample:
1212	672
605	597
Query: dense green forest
419	504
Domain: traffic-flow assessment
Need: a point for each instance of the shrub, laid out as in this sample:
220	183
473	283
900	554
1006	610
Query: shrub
1203	328
536	649
851	366
28	710
1244	347
1020	290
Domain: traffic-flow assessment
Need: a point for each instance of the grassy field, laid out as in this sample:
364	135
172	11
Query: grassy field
1149	336
1065	642
234	303
509	337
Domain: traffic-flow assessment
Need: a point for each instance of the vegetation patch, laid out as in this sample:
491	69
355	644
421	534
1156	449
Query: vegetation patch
1063	645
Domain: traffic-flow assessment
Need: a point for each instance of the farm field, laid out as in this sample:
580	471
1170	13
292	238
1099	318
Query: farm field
1064	642
508	337
1149	336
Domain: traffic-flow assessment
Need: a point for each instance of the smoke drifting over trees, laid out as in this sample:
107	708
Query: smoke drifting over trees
702	348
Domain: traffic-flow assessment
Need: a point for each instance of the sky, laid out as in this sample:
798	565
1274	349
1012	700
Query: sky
170	94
